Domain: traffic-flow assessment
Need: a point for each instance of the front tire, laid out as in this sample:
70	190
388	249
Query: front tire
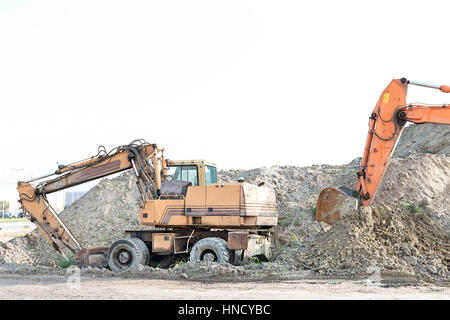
144	249
127	254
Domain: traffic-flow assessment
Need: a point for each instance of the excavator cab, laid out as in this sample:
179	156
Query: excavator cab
197	172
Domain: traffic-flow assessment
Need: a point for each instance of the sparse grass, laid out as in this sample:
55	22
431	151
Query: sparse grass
412	207
7	220
177	263
294	237
254	260
182	261
63	263
284	221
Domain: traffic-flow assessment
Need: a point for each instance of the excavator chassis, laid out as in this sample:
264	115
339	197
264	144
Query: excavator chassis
164	245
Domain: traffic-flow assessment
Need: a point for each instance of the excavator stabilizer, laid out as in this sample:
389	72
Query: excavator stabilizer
333	204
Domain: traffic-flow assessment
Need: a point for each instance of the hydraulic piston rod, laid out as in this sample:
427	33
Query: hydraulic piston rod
443	88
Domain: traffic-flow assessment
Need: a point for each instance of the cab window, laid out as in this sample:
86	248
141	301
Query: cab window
210	175
184	173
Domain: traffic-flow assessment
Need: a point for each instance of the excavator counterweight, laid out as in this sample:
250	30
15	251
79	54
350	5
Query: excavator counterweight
386	122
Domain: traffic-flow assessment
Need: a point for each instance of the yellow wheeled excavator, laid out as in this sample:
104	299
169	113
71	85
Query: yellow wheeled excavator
193	215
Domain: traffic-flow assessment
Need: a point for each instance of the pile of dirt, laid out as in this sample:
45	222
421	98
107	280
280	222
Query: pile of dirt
18	250
424	138
296	184
419	182
384	239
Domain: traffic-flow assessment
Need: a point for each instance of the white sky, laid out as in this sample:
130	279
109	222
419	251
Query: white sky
244	84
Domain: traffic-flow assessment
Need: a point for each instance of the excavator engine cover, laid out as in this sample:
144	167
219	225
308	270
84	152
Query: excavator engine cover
95	257
333	204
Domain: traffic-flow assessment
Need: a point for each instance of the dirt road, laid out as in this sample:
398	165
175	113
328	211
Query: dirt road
63	287
10	230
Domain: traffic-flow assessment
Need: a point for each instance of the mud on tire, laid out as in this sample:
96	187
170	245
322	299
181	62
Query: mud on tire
210	249
144	249
126	254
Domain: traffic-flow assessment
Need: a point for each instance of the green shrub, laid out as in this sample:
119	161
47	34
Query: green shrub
63	263
181	262
254	260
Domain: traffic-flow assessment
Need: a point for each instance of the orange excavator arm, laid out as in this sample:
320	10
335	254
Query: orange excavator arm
136	155
386	123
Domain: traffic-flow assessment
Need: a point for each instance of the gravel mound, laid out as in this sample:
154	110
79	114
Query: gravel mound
420	182
382	237
424	138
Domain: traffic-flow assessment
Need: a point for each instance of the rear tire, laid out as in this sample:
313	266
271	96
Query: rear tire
210	250
126	254
144	249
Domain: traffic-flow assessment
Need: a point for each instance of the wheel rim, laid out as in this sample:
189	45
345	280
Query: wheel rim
122	257
208	256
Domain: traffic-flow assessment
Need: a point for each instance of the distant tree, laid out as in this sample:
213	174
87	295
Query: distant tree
4	205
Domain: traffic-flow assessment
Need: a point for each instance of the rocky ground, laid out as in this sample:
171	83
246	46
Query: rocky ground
50	287
404	234
424	138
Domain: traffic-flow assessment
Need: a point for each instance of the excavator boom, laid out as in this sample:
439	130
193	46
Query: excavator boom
33	199
386	123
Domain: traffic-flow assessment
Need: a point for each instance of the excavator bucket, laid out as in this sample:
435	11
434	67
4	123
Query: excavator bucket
333	204
95	257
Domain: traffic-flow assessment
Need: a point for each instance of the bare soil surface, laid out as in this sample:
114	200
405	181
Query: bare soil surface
10	230
49	287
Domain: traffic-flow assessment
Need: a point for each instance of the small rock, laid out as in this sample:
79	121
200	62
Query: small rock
432	269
